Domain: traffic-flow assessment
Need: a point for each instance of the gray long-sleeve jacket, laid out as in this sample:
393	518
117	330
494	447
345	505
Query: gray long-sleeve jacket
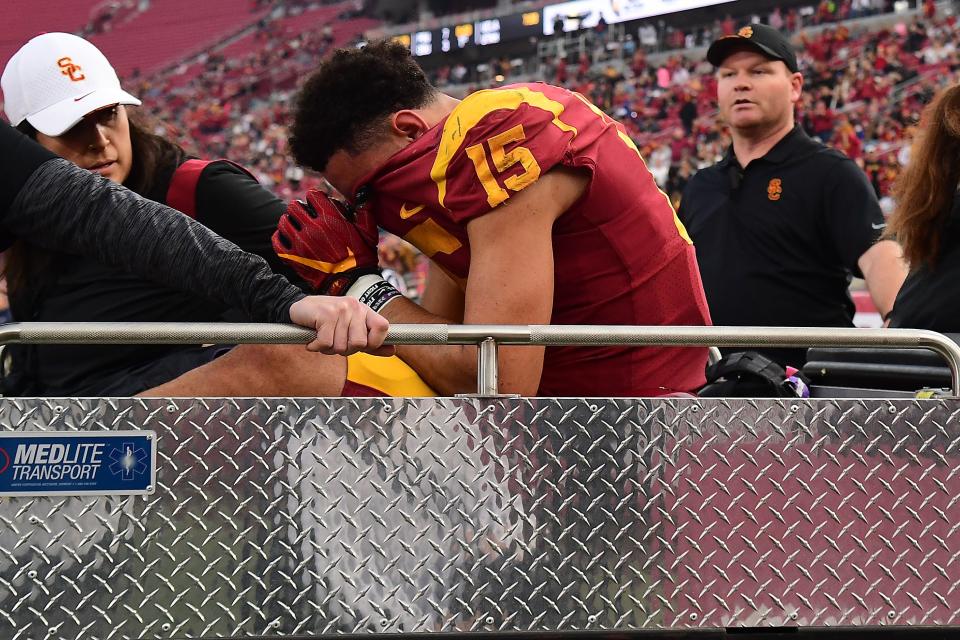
59	206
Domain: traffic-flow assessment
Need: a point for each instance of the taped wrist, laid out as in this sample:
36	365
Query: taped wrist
373	291
340	284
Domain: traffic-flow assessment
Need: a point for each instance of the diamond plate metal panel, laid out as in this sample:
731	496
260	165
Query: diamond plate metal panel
289	516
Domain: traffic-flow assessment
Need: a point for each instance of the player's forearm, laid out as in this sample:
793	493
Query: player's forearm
448	370
453	369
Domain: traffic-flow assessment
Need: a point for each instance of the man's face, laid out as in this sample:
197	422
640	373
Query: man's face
755	92
346	170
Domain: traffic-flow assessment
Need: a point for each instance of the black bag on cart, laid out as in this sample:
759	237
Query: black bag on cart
748	374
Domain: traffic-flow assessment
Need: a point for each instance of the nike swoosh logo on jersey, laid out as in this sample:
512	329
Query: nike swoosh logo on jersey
406	213
878	226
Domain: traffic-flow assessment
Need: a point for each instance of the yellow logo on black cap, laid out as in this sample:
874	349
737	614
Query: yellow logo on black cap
745	32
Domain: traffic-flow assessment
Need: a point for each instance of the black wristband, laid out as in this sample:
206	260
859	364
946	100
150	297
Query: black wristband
378	295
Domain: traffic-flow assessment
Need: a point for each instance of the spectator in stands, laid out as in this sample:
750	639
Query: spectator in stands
681	146
822	121
688	113
647	34
793	20
61	91
56	204
782	222
727	26
926	221
847	141
776	19
558	23
677	180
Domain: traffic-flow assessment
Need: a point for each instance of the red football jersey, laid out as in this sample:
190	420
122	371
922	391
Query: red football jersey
621	255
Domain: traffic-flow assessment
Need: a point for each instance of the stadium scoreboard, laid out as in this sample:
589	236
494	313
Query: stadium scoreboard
479	33
586	14
577	14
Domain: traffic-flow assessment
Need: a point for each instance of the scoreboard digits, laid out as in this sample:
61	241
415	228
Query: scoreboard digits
479	33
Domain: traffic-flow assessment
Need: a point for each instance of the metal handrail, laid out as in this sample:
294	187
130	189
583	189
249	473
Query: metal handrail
493	336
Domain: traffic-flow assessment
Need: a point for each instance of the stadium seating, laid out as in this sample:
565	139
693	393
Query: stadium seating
219	74
23	19
173	30
291	26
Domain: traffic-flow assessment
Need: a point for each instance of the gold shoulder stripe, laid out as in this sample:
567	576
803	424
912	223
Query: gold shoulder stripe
472	110
608	120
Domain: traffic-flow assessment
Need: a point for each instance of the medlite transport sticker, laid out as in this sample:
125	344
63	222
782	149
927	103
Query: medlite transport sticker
72	463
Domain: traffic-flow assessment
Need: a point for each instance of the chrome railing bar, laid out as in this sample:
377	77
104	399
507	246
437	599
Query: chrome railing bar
547	335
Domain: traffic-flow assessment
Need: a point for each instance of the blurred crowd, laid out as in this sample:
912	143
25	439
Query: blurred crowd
864	92
864	88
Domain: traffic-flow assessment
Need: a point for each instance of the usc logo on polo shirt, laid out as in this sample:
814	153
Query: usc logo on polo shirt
774	189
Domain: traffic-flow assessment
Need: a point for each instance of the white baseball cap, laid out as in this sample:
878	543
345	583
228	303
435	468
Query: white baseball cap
56	79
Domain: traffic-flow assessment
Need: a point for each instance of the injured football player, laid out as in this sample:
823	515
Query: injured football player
533	206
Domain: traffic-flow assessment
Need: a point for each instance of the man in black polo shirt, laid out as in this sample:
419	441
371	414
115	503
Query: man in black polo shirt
782	222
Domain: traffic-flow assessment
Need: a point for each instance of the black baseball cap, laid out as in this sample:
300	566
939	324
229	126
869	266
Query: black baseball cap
761	37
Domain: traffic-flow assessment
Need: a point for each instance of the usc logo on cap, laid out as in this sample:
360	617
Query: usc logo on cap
745	32
71	70
774	189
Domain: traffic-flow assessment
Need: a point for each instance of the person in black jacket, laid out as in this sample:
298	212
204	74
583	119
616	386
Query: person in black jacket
56	205
61	91
926	222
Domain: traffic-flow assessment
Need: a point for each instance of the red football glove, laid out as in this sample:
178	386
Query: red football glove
321	243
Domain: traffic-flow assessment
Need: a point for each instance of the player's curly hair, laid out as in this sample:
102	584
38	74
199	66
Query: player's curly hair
343	105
